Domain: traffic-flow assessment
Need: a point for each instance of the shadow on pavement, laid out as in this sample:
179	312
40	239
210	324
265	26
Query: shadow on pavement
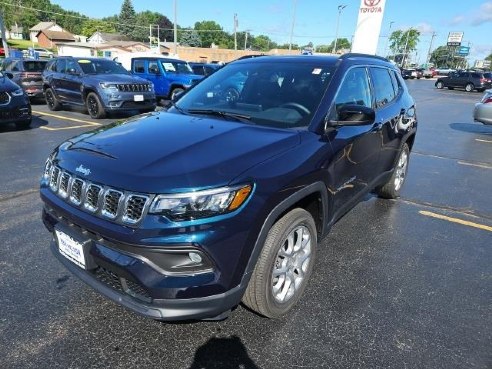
472	128
221	353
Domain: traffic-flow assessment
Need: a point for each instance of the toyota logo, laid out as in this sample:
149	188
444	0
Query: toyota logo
371	2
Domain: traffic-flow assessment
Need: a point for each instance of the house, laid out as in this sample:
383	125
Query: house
49	39
110	50
15	33
102	37
50	26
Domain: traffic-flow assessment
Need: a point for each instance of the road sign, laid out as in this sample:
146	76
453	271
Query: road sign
463	51
455	38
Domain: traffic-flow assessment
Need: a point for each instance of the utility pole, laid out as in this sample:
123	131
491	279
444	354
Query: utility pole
406	46
235	31
430	48
293	24
246	38
175	29
386	49
340	8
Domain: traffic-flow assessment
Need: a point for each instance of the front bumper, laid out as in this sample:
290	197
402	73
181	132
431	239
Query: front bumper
16	111
483	113
145	270
126	101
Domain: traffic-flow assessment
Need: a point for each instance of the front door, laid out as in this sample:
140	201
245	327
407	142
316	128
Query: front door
356	148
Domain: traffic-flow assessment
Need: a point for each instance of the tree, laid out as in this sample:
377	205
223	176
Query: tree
262	43
126	19
342	44
210	33
190	38
445	57
404	42
489	57
91	26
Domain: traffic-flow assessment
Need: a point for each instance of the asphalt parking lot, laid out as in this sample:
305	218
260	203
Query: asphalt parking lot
397	284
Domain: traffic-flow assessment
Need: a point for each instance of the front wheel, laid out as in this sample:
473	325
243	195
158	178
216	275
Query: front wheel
176	92
392	188
94	106
469	87
439	85
284	265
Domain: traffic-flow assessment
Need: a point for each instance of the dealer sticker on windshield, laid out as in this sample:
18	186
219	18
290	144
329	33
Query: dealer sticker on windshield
70	248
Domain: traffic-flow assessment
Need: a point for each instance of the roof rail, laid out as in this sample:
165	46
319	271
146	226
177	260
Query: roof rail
359	55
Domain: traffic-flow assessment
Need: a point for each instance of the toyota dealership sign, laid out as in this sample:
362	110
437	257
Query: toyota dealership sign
366	35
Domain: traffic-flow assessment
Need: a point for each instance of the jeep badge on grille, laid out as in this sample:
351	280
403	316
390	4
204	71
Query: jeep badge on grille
84	171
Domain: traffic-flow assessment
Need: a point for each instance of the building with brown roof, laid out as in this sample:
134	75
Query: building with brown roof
49	39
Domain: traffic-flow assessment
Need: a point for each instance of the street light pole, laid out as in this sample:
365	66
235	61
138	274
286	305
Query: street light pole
293	23
406	46
386	49
340	8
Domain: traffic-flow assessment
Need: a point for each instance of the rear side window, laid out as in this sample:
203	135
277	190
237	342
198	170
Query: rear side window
383	86
15	66
51	66
396	82
139	66
476	75
61	65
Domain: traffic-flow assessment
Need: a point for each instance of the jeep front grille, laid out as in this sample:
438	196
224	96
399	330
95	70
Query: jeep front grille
133	87
104	201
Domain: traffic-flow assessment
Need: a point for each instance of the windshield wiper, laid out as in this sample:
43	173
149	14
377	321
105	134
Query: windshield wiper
224	114
181	110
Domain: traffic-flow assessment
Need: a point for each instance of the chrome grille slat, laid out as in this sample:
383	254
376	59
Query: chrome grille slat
111	203
103	201
134	87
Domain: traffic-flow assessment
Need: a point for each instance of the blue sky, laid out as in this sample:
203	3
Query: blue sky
315	20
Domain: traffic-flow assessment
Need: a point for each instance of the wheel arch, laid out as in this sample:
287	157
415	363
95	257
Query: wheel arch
313	198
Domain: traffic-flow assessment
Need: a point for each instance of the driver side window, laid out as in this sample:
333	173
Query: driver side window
354	89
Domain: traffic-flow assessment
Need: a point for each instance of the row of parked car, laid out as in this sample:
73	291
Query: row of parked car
100	85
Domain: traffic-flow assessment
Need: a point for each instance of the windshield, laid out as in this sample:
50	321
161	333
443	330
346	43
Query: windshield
34	65
274	93
176	67
101	66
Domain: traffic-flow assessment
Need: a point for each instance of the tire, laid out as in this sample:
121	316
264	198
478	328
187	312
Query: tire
23	125
439	85
51	100
392	188
288	254
94	106
176	91
469	87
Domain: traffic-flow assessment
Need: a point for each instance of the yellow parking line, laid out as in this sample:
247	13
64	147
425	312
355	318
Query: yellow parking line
63	128
67	118
484	166
480	140
456	220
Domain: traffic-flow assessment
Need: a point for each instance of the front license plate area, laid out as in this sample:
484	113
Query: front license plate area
138	98
70	248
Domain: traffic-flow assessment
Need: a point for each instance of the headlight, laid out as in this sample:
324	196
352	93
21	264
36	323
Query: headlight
200	204
108	86
48	165
18	92
151	87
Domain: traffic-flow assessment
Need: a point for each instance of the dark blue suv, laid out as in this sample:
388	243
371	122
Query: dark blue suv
100	85
223	198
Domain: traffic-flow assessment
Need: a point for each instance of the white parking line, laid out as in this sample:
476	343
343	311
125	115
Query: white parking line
480	140
484	166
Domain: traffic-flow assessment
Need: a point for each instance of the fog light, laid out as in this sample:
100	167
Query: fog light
194	257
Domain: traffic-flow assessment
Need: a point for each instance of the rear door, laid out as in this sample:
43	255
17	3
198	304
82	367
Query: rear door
72	82
387	92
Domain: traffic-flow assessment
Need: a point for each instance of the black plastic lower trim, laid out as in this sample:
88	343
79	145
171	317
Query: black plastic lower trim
161	309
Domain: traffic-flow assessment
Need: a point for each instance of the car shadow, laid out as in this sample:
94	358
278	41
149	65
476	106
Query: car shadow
36	123
478	128
227	352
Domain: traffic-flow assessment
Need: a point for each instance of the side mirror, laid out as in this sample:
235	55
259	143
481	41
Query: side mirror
353	115
8	75
73	72
154	71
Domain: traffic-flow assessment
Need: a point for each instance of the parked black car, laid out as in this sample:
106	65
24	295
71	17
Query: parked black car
27	73
101	85
204	69
14	103
184	213
468	80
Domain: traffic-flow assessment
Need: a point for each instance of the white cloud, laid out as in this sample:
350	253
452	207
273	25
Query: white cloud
484	15
425	28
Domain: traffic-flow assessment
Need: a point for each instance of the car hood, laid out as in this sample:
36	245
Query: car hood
116	78
168	152
6	85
